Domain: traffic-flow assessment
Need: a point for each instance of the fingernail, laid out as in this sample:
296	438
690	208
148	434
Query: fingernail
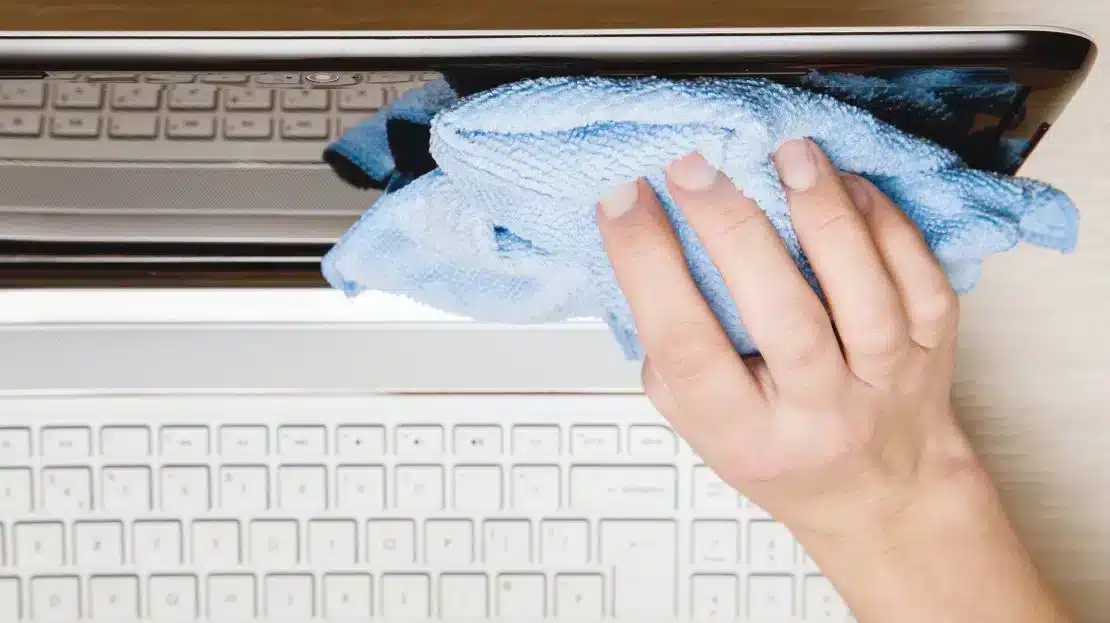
692	173
617	201
796	164
858	192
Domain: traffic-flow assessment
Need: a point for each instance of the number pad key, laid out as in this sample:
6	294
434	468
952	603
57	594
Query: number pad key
192	97
248	98
305	99
136	96
76	95
248	126
75	125
191	126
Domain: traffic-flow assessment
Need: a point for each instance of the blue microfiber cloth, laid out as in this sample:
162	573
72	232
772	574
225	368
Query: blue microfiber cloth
490	199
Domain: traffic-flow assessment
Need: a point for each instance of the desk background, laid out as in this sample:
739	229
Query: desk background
1034	375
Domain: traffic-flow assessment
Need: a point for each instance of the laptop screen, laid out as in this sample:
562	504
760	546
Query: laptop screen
190	173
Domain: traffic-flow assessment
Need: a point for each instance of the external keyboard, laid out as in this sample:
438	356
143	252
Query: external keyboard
189	117
419	507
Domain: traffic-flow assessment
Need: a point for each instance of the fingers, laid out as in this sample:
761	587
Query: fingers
864	302
681	335
779	308
931	305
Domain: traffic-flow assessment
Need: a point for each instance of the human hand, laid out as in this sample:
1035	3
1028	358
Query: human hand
845	420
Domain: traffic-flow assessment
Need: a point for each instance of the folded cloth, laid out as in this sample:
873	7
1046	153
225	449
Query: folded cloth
499	223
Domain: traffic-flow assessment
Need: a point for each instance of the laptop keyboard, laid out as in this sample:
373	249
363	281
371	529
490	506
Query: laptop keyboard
211	117
422	508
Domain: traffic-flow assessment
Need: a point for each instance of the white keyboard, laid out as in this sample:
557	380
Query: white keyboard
189	117
448	507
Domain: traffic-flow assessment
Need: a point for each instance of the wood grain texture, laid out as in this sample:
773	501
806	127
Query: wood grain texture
1034	373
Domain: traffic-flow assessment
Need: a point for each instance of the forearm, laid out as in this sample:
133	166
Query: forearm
954	557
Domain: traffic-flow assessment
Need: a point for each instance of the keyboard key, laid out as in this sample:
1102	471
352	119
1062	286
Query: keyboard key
770	547
302	441
406	595
118	442
19	123
76	95
535	488
15	491
290	596
231	597
536	441
565	542
713	598
248	126
367	442
248	98
448	542
274	543
477	487
244	441
157	544
521	596
579	596
15	444
711	493
66	443
391	542
56	598
185	489
463	596
716	543
278	79
419	440
302	488
624	488
112	76
98	544
75	125
39	545
9	599
651	441
114	598
507	543
216	543
478	441
305	99
366	98
594	440
332	542
244	488
22	94
641	553
823	604
184	441
133	125
770	597
191	126
388	76
304	127
225	78
136	96
361	487
125	489
348	596
172	597
419	487
66	489
192	97
169	78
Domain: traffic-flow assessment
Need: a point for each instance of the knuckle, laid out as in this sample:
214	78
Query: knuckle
735	224
685	353
801	340
938	305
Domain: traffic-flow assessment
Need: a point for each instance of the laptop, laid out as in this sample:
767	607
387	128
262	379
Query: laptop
193	427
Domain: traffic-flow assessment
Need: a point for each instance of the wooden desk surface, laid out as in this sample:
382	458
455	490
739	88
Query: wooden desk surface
1034	381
